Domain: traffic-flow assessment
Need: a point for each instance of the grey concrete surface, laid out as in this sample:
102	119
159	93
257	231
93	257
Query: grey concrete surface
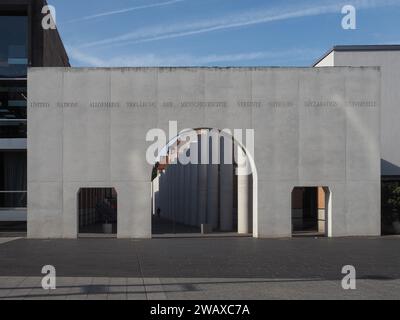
189	268
389	63
29	288
307	133
8	239
240	257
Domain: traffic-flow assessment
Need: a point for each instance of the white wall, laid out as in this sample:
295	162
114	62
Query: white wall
328	61
389	62
296	143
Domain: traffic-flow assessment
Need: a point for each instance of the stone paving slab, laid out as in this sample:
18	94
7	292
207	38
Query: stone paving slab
197	289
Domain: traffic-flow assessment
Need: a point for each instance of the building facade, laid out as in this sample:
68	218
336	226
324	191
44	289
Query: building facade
325	156
309	131
387	57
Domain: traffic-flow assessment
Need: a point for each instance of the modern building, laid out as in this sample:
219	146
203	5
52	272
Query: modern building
313	127
23	44
73	143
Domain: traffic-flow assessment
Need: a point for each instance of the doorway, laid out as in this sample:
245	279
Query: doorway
97	211
310	208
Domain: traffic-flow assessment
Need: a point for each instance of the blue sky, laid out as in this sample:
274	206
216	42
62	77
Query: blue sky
217	32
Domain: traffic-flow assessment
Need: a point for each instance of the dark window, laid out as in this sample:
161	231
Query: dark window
13	46
13	109
13	180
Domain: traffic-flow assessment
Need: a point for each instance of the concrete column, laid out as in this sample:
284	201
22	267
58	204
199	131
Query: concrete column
156	188
167	193
170	192
187	194
184	195
173	191
162	191
177	190
202	179
164	209
226	184
193	193
181	198
213	181
243	193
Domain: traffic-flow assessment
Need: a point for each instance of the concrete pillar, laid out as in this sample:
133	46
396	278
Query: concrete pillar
173	191
213	181
156	189
164	209
177	193
181	198
167	193
187	194
193	193
170	192
243	193
184	195
226	184
202	179
162	192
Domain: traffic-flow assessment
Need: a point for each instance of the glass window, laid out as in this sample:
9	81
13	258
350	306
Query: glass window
13	46
13	180
13	109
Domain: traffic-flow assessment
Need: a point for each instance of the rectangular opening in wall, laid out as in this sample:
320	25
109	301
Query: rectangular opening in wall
310	211
97	211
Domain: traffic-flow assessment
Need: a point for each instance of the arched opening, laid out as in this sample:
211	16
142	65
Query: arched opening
214	194
97	211
311	211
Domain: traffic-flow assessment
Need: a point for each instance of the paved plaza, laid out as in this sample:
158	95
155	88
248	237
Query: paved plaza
201	268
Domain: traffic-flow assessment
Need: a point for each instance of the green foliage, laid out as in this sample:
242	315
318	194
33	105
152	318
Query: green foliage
390	202
394	197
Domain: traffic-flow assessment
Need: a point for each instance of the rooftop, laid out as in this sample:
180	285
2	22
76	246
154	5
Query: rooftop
343	48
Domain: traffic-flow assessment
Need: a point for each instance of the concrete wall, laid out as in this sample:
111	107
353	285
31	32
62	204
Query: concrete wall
389	63
307	133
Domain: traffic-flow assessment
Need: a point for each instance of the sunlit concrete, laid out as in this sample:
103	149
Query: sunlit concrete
306	133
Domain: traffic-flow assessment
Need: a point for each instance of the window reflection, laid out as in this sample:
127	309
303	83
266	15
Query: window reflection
13	46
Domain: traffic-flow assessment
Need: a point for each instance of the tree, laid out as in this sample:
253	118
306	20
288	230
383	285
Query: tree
394	197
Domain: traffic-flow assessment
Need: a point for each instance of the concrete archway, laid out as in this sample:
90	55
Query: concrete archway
218	197
311	211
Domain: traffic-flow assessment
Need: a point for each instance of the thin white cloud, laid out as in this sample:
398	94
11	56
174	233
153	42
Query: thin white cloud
84	58
234	21
125	10
154	60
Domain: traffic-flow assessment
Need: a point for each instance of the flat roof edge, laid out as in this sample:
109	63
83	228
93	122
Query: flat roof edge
262	68
384	47
355	48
